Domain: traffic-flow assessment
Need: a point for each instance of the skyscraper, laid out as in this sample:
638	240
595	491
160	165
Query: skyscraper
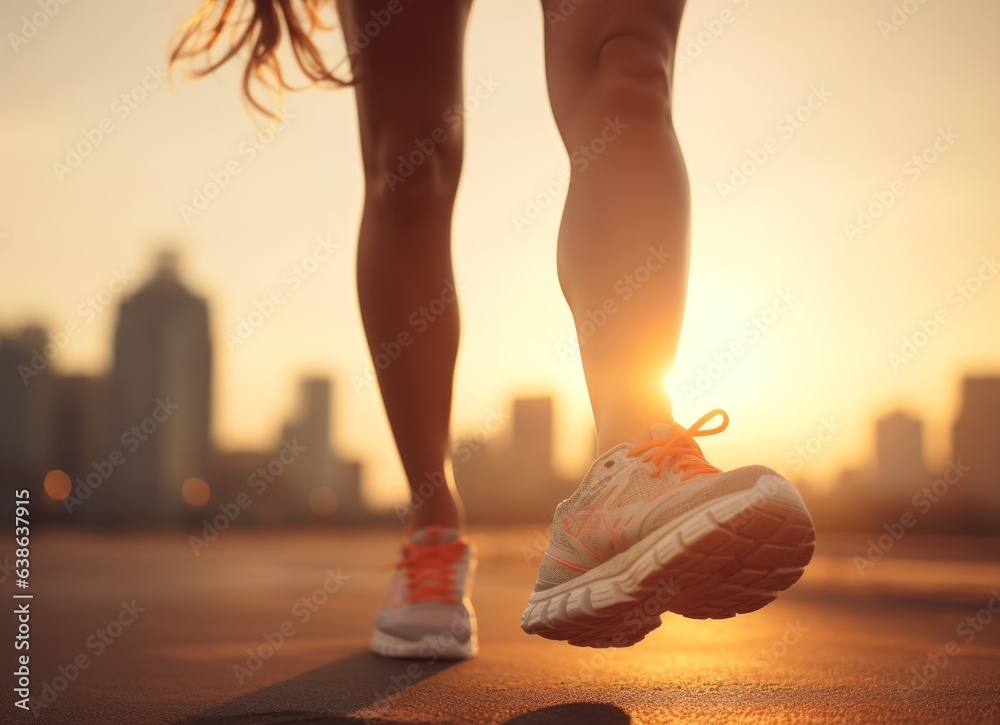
161	400
976	438
508	475
311	430
79	423
26	389
899	451
326	483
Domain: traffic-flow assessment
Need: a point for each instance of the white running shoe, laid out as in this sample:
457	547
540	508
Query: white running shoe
656	528
428	613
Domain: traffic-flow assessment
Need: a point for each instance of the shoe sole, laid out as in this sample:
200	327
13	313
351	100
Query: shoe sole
728	557
431	646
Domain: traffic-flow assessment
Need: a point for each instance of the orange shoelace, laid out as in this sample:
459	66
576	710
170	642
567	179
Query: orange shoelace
682	449
430	571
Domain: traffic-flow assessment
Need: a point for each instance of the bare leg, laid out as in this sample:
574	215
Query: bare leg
411	74
623	243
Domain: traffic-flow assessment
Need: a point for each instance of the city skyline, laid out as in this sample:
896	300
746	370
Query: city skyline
170	263
175	467
162	370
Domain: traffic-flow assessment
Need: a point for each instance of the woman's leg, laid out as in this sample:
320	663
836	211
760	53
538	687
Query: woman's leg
410	76
701	542
623	243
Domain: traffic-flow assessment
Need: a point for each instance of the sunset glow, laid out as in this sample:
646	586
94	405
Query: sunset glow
852	299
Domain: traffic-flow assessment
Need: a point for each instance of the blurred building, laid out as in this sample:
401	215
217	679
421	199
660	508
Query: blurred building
311	430
79	431
26	390
160	400
899	451
976	439
80	418
504	471
252	476
325	485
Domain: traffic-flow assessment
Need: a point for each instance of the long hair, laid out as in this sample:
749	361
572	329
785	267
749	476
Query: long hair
259	29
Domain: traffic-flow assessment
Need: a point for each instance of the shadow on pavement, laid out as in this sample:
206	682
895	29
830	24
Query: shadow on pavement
576	713
328	694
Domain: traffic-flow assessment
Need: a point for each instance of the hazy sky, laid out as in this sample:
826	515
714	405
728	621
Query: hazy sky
879	98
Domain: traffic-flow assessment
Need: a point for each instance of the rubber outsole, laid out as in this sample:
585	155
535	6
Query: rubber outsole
731	556
430	646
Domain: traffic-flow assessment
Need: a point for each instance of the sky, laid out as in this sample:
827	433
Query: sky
828	109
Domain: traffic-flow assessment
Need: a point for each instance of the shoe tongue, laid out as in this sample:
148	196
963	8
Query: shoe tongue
434	535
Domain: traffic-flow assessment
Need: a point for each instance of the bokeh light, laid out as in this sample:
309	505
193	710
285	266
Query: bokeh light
58	485
195	492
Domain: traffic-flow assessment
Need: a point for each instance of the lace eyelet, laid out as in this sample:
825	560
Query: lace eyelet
609	464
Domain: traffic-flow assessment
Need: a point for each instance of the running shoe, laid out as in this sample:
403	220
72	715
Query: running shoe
428	613
655	528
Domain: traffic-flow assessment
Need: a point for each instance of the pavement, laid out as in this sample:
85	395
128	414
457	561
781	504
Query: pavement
272	627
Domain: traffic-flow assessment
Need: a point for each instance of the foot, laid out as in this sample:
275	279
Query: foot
656	528
428	613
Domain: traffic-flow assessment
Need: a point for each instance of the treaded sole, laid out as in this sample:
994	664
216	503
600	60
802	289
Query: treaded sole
428	646
731	556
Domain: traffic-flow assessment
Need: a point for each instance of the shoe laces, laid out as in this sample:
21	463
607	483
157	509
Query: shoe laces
681	448
430	569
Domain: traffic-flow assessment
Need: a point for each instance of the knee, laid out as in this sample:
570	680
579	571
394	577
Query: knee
414	183
634	76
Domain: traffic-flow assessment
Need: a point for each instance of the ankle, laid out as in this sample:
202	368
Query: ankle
442	509
629	426
610	436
